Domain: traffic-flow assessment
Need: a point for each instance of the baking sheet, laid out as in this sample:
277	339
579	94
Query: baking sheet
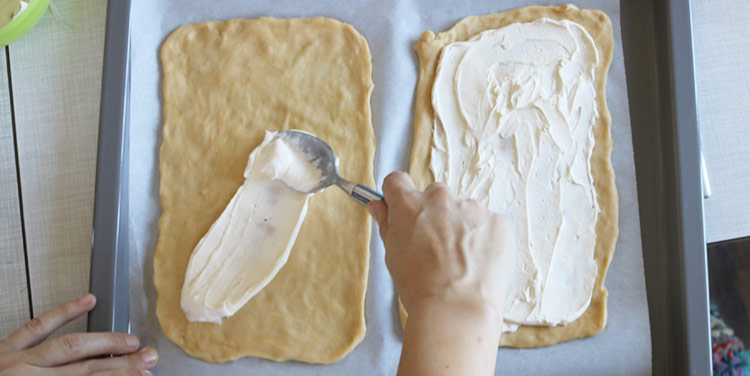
391	29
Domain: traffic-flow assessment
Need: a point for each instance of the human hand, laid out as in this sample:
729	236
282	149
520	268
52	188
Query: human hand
452	262
27	352
442	248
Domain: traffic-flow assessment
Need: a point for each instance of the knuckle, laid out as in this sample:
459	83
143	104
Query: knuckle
439	192
396	175
34	325
67	310
70	343
397	180
437	186
93	366
391	180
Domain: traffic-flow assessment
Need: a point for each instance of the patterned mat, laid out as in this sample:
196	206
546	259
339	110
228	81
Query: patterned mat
729	355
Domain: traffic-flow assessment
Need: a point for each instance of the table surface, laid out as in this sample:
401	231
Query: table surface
49	110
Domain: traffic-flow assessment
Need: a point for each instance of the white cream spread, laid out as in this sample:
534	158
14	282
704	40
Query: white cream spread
515	109
251	240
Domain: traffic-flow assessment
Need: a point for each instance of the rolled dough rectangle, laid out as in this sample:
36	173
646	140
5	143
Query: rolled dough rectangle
600	27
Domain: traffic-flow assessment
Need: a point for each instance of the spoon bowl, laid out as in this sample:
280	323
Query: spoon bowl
322	156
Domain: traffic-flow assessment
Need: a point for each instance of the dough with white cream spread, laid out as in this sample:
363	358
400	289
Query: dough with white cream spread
250	241
225	84
511	111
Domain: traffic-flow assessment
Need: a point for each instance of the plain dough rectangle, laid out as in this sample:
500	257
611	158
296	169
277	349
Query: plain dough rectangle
225	84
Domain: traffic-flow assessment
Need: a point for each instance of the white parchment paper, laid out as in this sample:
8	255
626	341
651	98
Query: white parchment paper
391	28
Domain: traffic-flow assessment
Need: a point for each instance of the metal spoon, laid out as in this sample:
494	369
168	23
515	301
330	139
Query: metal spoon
320	155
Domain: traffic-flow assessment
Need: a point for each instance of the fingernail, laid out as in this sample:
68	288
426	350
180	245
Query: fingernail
131	340
149	355
371	210
145	373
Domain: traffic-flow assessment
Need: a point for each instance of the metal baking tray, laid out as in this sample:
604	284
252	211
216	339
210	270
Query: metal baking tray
657	42
109	238
658	50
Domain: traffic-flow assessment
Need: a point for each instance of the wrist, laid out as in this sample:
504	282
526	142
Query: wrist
450	336
458	310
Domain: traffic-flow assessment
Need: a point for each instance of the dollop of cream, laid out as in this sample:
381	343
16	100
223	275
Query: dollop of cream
515	109
251	240
283	161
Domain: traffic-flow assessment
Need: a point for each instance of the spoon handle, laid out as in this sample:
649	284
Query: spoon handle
358	192
364	195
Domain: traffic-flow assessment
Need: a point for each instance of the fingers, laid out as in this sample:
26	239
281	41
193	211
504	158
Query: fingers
72	347
397	186
38	329
144	359
25	369
379	211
